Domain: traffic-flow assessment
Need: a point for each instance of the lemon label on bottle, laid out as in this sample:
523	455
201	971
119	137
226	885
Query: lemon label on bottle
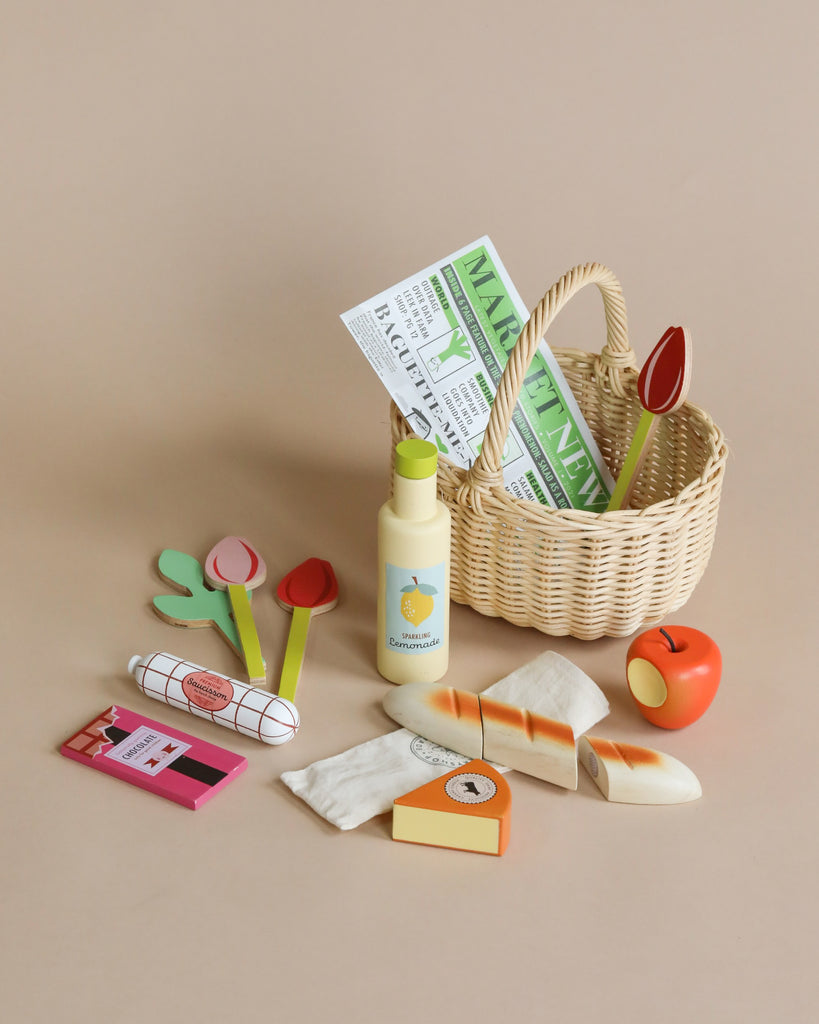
414	608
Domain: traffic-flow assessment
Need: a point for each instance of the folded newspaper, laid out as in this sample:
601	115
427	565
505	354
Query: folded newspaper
439	342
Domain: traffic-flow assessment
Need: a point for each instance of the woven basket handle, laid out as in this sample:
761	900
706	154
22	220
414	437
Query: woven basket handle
616	354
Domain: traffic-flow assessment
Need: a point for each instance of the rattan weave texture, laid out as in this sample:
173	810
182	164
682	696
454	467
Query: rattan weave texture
571	572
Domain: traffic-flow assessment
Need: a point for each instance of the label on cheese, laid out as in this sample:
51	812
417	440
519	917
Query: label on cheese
470	788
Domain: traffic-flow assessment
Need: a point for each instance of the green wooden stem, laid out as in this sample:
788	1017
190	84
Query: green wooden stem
634	461
294	654
248	636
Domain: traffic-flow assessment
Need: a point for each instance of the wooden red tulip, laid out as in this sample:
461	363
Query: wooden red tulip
309	589
662	387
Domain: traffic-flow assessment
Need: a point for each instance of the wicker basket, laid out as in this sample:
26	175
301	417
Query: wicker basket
570	572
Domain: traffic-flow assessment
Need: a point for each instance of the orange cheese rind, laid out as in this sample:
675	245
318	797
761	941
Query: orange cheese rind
630	774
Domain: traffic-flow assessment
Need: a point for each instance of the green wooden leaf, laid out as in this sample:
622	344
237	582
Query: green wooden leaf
182	569
201	606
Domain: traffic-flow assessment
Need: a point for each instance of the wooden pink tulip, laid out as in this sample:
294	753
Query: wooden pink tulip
236	566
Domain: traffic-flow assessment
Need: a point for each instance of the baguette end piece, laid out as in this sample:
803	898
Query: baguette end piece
629	774
441	714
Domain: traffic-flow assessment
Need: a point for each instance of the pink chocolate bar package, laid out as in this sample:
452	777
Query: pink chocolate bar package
153	756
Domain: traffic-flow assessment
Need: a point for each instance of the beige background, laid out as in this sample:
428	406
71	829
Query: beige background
190	195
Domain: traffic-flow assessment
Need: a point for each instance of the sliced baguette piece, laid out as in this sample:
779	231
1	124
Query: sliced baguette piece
529	743
480	727
467	809
440	714
629	774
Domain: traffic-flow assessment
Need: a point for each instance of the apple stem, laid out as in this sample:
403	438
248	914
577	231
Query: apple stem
668	638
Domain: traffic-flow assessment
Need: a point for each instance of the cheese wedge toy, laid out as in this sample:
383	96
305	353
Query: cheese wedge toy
466	809
479	727
628	774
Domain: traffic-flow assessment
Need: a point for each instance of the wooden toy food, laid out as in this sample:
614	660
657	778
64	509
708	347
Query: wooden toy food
154	756
662	386
414	529
673	673
248	710
309	589
478	727
199	606
236	566
469	808
628	774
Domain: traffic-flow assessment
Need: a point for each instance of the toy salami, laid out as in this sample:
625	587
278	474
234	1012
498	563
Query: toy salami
249	710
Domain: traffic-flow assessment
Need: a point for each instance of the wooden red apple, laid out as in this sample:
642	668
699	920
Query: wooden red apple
673	673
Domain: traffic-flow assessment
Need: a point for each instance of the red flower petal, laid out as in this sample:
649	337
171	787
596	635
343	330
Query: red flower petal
312	584
666	375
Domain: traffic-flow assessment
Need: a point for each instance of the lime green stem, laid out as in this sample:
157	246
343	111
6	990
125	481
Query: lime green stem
294	654
248	637
634	461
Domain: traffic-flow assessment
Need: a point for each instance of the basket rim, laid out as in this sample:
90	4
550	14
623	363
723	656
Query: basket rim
685	499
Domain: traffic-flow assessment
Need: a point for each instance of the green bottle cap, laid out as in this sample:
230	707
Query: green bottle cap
416	459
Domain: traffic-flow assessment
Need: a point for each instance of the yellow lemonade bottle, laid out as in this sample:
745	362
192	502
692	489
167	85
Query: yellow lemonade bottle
413	570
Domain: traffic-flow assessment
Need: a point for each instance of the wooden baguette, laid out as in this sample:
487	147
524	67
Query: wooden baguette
628	774
441	714
479	727
529	743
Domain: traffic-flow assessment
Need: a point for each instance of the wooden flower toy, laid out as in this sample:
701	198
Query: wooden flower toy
309	589
198	605
236	566
662	386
